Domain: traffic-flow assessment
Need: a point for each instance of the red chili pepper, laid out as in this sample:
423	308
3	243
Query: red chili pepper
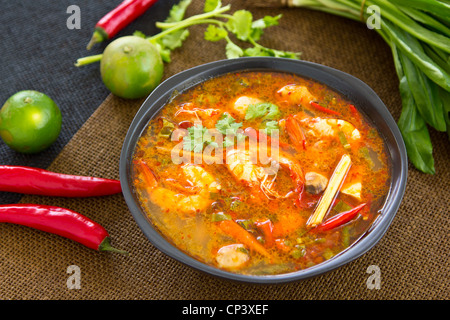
60	221
108	26
37	181
355	114
323	109
339	219
353	109
266	227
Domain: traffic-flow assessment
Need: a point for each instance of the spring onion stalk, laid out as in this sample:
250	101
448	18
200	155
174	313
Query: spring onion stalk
418	32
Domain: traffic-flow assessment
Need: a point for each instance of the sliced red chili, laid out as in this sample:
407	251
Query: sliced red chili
339	219
115	20
266	227
323	109
353	109
28	180
61	221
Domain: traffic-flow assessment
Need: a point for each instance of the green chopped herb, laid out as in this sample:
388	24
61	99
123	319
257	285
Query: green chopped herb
228	126
244	223
366	155
220	216
198	137
263	110
167	129
346	236
341	206
235	204
343	140
242	249
327	253
269	126
298	252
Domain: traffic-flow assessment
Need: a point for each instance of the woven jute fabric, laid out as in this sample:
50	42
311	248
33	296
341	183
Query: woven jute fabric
413	256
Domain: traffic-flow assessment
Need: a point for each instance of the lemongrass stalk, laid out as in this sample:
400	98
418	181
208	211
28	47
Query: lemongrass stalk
333	187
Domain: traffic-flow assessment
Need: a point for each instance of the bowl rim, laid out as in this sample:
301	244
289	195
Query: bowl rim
342	82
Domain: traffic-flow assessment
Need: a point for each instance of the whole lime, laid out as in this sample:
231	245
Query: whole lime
30	121
131	67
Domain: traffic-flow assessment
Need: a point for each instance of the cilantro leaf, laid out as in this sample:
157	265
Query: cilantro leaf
264	110
227	124
175	39
256	52
270	125
164	52
177	11
233	51
241	24
259	25
211	5
138	33
197	138
214	33
272	111
283	54
259	51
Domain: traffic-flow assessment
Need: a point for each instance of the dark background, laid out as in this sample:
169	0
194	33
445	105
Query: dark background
38	52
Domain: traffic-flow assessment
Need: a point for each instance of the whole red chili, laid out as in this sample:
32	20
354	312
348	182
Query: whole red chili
60	221
323	109
114	21
37	181
339	219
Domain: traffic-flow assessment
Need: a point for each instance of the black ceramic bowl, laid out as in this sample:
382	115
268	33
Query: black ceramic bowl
352	88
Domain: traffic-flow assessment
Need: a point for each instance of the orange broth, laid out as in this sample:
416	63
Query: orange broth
265	229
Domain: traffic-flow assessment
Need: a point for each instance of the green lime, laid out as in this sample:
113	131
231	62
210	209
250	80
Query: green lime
29	121
131	67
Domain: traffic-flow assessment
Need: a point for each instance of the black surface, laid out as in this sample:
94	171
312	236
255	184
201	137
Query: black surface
38	52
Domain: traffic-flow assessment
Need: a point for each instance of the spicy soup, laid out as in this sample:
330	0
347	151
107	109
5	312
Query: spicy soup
261	172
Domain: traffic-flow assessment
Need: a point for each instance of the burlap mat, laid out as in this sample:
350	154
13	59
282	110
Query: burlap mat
413	256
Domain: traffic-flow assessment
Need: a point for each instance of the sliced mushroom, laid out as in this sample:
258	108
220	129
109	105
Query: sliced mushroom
315	183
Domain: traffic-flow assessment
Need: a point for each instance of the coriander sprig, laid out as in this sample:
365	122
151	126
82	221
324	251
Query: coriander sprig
240	24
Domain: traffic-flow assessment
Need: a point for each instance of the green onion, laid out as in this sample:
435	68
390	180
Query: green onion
327	254
220	216
343	140
418	32
298	252
364	152
341	206
167	129
346	236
